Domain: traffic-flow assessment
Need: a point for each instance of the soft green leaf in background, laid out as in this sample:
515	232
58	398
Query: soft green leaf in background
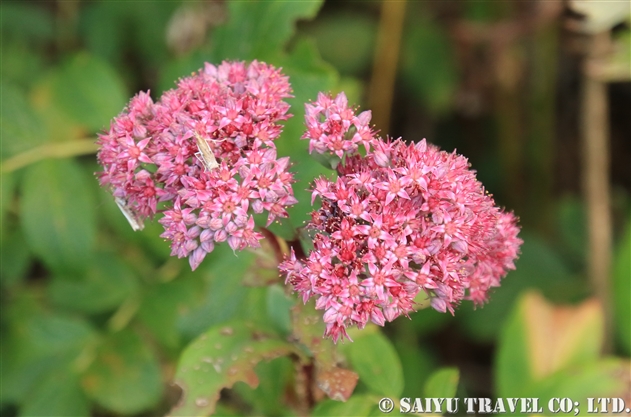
538	267
58	394
224	297
57	214
308	75
604	378
114	31
125	375
21	128
7	186
259	30
357	406
27	30
621	288
16	256
164	304
89	91
149	240
22	20
41	345
376	361
278	308
275	378
428	64
571	224
346	40
176	68
442	384
419	362
106	285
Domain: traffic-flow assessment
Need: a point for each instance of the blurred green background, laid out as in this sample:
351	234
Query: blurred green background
96	317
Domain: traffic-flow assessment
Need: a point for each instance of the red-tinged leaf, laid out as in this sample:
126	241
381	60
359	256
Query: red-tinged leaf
221	356
540	339
337	383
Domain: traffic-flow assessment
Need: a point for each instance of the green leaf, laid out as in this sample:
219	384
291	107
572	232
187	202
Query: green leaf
356	406
164	304
21	63
539	339
263	271
275	377
21	128
106	284
572	227
58	394
113	30
7	186
346	40
176	68
37	346
278	308
376	361
148	239
419	361
259	29
101	29
57	214
429	65
282	228
150	25
442	383
125	375
308	75
538	267
603	378
621	288
217	359
224	296
308	328
25	21
89	91
16	256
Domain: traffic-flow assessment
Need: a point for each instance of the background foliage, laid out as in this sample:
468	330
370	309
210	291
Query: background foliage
99	320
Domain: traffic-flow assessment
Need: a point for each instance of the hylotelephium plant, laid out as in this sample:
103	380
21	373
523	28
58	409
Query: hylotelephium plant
398	219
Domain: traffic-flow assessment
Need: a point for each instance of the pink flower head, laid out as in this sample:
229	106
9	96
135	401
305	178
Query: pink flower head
333	127
400	220
206	151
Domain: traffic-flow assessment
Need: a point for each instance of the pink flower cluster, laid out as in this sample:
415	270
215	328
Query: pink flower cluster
400	220
165	152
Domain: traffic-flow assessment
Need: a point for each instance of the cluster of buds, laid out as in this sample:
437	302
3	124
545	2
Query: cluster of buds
400	220
203	156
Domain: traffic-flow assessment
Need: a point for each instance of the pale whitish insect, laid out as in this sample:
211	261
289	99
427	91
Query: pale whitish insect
133	219
205	154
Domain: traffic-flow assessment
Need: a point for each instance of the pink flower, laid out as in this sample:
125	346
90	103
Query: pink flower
400	220
153	156
333	127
